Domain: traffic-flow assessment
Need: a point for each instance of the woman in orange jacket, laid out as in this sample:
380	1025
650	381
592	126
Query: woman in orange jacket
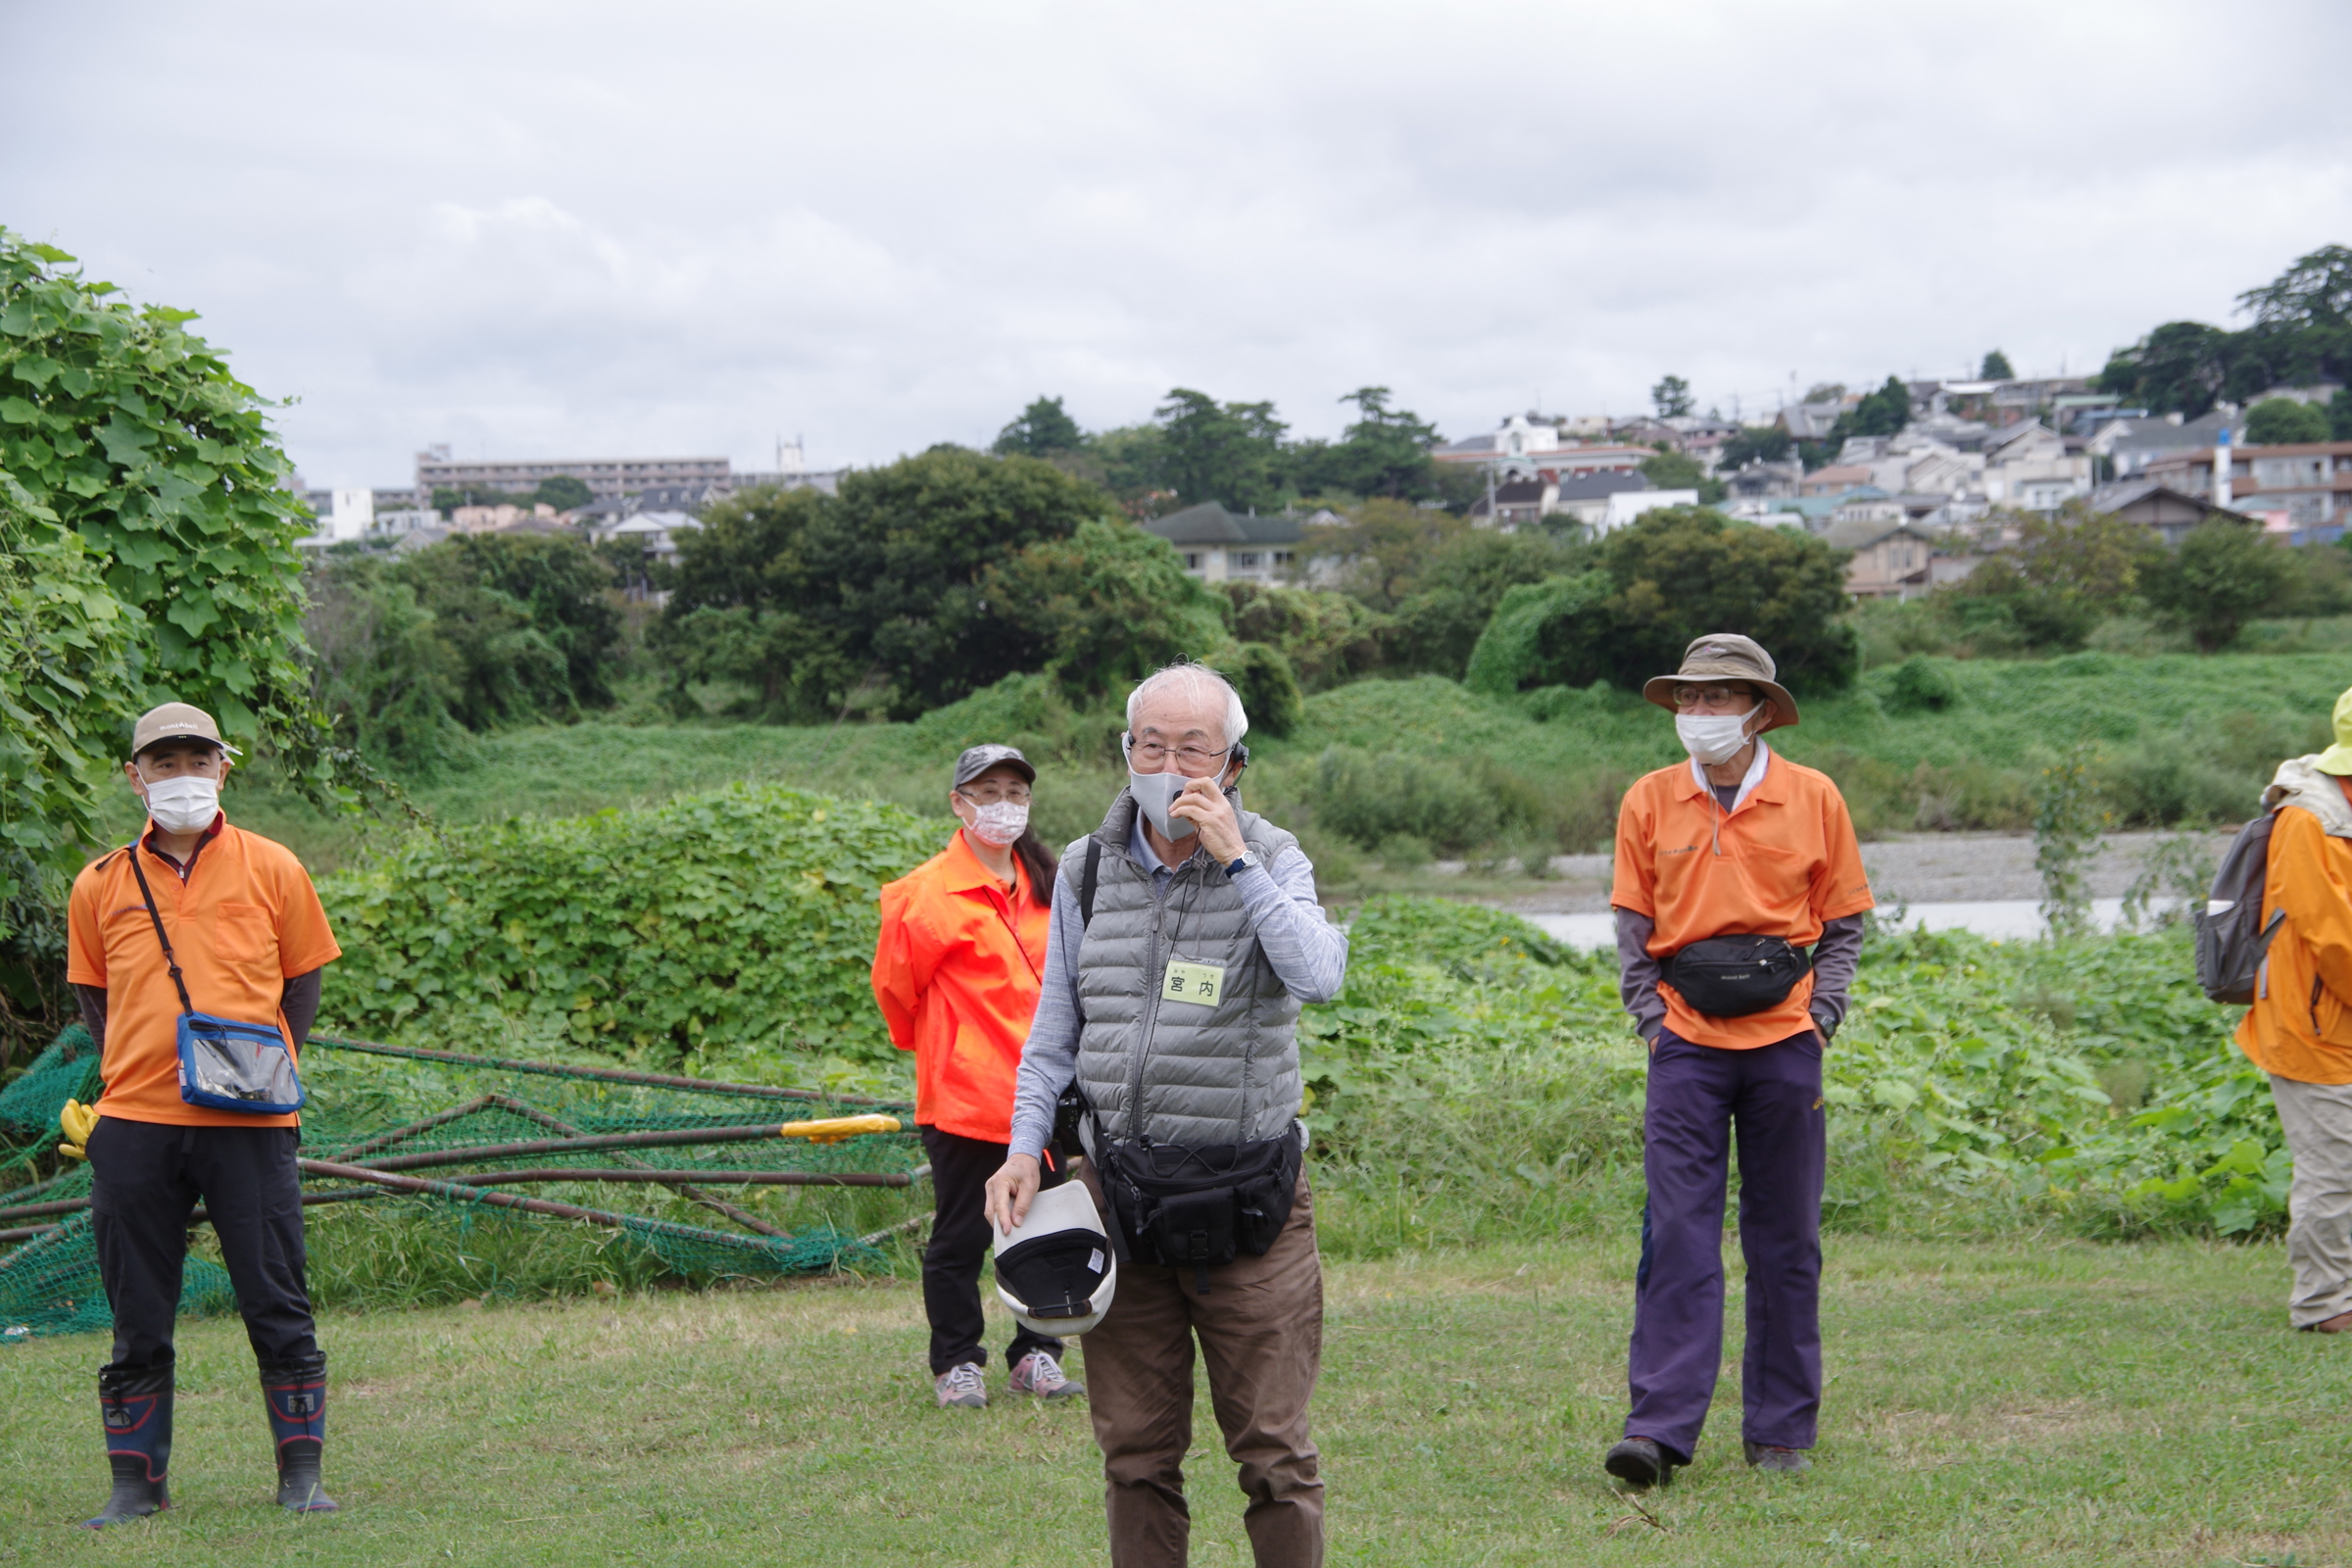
956	972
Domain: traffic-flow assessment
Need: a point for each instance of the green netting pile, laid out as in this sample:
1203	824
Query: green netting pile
470	1126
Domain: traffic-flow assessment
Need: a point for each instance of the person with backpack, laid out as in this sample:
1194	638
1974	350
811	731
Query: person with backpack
195	957
956	970
1729	867
1186	934
2298	1024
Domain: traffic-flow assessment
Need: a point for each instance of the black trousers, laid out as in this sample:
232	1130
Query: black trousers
959	1242
146	1178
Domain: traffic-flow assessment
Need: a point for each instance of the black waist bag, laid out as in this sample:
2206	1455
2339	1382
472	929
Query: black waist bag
1731	977
1199	1207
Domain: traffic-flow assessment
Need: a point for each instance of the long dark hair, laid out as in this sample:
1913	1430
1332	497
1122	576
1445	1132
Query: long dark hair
1042	865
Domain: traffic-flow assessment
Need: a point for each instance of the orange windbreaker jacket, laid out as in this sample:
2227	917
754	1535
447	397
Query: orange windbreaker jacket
956	972
2300	1026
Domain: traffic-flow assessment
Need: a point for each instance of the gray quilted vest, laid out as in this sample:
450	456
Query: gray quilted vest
1180	1073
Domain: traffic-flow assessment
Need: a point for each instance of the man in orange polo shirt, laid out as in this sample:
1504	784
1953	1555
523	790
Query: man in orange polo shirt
956	972
1727	868
250	938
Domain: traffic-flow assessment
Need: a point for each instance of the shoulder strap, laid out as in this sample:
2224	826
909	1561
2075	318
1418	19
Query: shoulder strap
1086	883
148	895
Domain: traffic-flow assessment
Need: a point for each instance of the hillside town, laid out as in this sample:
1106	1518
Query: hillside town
1916	507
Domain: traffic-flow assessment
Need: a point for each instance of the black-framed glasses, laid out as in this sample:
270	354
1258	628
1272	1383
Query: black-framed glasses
1188	758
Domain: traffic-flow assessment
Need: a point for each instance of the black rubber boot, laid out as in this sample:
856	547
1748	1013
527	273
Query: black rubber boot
295	1394
137	1408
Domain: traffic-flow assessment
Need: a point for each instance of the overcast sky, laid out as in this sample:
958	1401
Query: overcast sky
583	228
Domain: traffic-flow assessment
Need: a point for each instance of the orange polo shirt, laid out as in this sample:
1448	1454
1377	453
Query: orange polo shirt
1783	864
958	970
244	923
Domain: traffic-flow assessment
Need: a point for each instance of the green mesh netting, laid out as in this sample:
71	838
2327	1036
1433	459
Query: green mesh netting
454	1122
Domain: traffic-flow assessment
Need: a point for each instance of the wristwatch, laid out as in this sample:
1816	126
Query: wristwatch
1248	858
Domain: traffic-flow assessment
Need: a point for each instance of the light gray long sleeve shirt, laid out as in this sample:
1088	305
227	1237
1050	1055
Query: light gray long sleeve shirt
1306	952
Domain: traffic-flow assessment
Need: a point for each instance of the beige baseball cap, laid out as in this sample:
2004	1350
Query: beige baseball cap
177	722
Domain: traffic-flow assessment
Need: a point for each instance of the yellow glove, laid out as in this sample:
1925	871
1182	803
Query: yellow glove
834	1129
76	1121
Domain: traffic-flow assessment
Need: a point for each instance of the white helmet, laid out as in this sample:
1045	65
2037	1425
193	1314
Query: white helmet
1055	1272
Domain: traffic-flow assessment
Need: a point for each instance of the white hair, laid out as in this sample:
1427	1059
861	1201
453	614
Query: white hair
1197	681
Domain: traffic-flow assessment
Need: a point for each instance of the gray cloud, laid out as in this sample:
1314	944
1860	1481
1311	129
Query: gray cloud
551	230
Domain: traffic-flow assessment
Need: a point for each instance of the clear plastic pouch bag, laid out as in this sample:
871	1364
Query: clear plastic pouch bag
229	1065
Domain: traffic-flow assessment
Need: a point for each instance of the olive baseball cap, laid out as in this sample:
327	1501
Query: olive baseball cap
1726	655
177	722
980	758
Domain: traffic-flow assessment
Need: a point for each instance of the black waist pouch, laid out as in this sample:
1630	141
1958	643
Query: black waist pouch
1731	977
1199	1207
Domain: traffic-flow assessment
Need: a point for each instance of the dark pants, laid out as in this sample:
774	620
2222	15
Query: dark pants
1698	1095
146	1178
1261	1331
960	1238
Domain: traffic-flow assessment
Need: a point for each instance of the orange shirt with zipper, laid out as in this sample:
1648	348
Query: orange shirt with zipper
2300	1026
1783	864
956	972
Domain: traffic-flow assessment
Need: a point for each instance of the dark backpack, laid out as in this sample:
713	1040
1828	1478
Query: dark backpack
2232	938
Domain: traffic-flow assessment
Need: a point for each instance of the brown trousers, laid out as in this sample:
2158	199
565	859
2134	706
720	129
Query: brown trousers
1260	1327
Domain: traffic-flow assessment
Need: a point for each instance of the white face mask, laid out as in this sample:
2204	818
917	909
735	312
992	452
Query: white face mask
1155	793
1713	738
183	803
1000	822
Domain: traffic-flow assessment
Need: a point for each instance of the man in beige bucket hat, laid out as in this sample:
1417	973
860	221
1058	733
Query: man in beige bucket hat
1729	867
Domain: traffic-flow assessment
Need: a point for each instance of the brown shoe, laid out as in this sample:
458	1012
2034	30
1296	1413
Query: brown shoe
2342	1323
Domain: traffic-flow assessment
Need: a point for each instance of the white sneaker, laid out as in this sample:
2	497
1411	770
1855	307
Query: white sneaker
961	1386
1040	1374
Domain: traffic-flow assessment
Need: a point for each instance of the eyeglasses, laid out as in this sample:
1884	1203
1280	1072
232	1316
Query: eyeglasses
993	794
1193	759
1713	696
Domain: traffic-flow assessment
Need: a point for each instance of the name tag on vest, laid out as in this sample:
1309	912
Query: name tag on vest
1198	983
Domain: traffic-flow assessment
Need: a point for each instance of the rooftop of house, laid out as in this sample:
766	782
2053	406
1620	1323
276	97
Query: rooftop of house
1210	524
1860	533
1595	486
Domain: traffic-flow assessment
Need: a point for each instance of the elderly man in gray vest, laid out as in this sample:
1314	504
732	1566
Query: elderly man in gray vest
1186	934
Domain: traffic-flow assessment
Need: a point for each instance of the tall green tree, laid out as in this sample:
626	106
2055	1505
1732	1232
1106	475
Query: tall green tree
2222	575
1106	605
566	492
1044	428
1882	412
2300	335
1671	397
2276	421
1224	452
1997	367
1383	452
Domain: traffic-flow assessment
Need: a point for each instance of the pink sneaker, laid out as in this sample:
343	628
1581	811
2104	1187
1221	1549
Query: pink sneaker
1040	1374
961	1386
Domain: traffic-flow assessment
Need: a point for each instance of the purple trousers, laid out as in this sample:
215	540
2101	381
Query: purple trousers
1698	1095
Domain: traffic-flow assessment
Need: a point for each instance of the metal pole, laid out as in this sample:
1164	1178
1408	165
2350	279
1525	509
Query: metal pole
610	1075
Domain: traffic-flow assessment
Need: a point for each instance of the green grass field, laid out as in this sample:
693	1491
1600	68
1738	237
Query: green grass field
2025	1403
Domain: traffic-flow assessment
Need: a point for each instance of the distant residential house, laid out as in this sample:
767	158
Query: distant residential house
2030	466
1523	450
2155	506
1518	503
1810	422
1834	480
1757	479
2129	444
2310	483
1586	497
1891	558
1627	505
491	520
1219	545
655	532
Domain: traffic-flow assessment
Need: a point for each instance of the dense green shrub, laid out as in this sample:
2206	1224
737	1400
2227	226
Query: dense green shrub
731	931
1104	608
1371	798
1475	1083
1328	638
1919	685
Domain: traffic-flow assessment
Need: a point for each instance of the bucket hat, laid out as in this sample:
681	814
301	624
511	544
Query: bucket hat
1727	655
